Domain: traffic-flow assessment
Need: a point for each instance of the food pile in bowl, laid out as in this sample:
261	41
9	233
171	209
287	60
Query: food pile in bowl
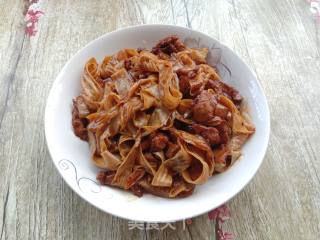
159	120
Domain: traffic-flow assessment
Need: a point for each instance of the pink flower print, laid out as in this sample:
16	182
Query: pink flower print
220	215
32	17
220	235
30	29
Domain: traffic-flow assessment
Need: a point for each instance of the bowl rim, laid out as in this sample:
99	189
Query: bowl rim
138	26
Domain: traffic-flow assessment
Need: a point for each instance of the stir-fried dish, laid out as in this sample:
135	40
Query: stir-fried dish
159	121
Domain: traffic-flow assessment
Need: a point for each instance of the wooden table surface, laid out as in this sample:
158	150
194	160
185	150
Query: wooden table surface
278	39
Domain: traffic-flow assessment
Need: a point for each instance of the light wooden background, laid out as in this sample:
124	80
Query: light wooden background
278	39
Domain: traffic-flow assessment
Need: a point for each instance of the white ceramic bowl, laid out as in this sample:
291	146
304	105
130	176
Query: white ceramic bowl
71	155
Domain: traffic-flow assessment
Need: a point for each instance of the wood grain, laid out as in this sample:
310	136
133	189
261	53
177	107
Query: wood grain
278	39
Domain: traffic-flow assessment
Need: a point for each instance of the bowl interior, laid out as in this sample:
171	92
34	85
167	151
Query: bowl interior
72	158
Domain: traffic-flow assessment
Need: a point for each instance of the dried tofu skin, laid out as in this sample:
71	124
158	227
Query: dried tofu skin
168	87
139	111
181	160
126	167
148	62
123	82
92	91
162	177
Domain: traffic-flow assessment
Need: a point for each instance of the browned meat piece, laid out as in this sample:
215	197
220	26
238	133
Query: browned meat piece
113	147
203	109
169	45
158	142
154	162
137	190
172	150
210	134
186	75
184	85
100	176
145	144
208	111
78	124
223	88
224	132
105	178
